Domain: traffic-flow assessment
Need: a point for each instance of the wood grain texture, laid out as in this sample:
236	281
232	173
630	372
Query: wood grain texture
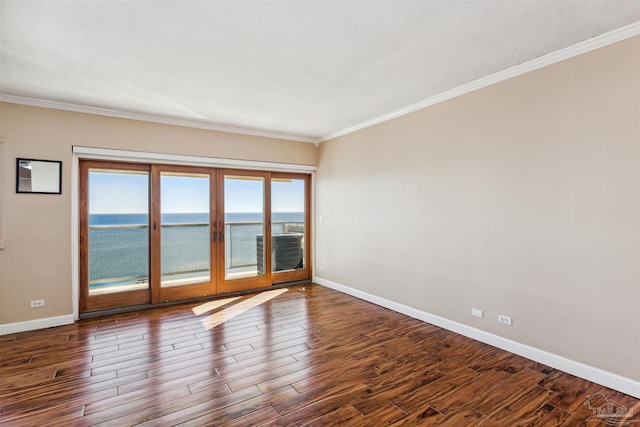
310	356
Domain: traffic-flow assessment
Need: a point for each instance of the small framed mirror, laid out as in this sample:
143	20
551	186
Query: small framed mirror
38	176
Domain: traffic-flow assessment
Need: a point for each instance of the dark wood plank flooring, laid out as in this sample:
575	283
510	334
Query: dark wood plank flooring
309	356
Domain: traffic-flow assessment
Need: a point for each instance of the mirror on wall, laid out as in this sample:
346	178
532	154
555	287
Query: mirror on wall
38	176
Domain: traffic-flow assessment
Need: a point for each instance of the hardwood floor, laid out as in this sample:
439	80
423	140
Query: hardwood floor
308	356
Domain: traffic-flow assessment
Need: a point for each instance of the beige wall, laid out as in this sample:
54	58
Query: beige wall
36	263
521	199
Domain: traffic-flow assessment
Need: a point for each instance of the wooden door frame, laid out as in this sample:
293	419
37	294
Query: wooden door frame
177	293
111	300
304	273
234	285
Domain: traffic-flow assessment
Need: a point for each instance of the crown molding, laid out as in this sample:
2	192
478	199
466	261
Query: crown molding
543	61
34	102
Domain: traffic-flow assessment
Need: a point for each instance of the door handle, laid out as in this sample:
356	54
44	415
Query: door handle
221	236
214	235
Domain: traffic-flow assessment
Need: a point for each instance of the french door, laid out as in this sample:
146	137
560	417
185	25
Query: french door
156	233
182	249
115	235
244	200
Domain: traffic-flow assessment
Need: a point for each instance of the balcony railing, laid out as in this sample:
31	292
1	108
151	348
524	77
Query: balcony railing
119	254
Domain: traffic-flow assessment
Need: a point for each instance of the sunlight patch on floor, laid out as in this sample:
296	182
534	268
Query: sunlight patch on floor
212	305
229	313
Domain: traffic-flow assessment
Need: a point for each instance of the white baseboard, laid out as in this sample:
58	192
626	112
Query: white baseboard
590	373
30	325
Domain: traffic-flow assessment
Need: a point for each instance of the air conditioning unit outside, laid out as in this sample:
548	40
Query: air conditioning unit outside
286	252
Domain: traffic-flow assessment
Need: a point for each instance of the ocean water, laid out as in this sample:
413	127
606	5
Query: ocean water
189	218
119	244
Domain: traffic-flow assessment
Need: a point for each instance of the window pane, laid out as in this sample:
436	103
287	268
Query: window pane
185	232
118	231
287	224
244	226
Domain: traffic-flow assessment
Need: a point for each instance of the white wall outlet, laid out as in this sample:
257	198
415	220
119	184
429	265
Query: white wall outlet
504	319
321	268
37	303
476	312
321	218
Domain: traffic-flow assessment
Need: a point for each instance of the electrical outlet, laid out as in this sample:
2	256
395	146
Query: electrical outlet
476	312
321	268
321	218
504	319
37	303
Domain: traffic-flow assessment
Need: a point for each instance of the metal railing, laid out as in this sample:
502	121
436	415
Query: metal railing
120	253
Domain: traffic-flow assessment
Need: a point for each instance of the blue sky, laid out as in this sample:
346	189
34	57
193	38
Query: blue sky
287	196
118	193
246	196
184	194
128	193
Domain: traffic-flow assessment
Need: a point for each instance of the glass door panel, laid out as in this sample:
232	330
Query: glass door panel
118	231
244	261
288	228
244	226
287	224
185	232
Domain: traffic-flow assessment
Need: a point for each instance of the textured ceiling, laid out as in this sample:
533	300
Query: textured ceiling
302	68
